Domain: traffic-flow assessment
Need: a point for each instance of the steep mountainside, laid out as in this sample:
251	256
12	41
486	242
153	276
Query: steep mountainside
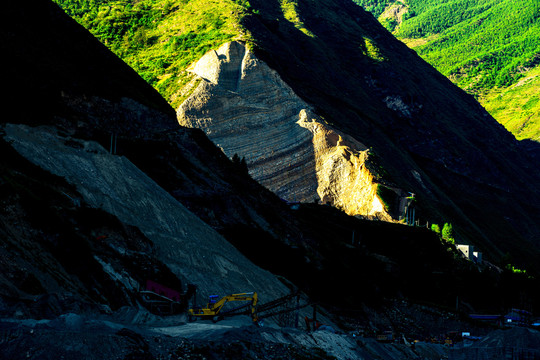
430	137
247	110
78	218
425	135
489	48
189	247
101	190
160	38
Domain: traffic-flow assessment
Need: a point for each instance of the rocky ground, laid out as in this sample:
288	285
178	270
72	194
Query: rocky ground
197	253
135	334
63	327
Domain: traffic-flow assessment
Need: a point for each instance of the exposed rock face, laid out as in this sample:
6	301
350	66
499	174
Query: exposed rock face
343	179
396	12
246	109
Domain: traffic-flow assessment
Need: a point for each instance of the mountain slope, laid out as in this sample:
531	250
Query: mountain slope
487	48
160	38
247	110
439	133
85	239
99	228
114	185
431	138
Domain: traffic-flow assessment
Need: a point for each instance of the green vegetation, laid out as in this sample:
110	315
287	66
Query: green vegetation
290	13
161	38
517	107
376	7
479	44
447	233
487	47
515	270
389	23
371	50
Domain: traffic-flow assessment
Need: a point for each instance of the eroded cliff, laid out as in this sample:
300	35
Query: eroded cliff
247	109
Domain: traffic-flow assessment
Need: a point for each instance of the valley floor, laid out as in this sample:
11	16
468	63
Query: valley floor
132	333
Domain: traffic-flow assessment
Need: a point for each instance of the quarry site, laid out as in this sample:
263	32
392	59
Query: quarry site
285	209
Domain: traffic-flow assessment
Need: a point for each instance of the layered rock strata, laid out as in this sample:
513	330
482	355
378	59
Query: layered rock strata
247	109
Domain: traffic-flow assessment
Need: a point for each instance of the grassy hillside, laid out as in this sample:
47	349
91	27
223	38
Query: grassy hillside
486	47
160	38
517	107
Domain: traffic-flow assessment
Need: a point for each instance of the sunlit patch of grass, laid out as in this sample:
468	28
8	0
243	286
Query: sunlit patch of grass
289	12
371	49
517	107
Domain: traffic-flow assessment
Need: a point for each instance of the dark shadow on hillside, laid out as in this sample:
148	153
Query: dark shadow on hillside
405	110
532	148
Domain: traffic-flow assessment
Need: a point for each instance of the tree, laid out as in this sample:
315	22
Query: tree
240	163
236	159
436	228
448	233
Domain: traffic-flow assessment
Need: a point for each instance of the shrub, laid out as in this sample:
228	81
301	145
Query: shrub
448	233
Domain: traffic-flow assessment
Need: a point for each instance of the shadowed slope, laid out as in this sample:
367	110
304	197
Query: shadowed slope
431	137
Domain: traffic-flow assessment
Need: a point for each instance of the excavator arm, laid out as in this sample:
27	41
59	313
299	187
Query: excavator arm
212	310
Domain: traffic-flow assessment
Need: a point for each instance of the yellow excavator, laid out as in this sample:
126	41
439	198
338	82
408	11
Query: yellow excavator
213	309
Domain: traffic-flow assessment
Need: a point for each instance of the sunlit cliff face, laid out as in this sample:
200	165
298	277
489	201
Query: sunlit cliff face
246	109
